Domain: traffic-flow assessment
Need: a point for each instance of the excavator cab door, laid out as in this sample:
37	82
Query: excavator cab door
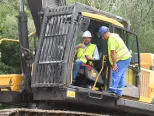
131	88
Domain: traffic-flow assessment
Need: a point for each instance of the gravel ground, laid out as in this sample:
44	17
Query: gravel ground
38	112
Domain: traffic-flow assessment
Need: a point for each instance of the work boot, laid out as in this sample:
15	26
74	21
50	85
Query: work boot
111	93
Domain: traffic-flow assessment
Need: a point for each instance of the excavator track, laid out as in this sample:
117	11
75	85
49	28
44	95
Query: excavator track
38	112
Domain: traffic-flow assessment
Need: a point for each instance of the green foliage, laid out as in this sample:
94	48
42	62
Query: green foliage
139	12
6	69
10	60
10	56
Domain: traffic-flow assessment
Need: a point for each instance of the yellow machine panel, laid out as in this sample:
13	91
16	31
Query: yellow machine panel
103	18
147	60
147	85
130	76
10	82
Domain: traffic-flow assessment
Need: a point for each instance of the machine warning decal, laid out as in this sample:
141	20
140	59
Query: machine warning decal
70	94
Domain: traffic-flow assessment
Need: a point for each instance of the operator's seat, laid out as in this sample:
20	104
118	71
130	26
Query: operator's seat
91	72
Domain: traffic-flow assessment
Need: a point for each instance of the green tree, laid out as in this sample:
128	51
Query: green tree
139	12
9	9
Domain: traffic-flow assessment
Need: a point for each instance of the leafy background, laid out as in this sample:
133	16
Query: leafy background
10	51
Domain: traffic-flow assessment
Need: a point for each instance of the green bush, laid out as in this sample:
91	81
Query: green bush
10	58
10	52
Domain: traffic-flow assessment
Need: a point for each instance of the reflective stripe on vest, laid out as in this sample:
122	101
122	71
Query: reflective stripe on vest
121	51
89	51
122	55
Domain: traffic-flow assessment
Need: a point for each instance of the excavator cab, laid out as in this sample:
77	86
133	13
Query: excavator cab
61	31
103	67
89	77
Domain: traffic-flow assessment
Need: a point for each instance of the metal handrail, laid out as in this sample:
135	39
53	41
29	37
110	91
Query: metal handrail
13	40
104	57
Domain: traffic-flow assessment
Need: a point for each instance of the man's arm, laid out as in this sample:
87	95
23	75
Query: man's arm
79	46
113	56
112	49
95	55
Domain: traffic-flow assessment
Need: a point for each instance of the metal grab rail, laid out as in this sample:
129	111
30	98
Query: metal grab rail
104	57
14	40
8	40
99	96
71	78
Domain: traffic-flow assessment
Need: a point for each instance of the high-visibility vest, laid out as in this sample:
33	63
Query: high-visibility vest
89	51
122	52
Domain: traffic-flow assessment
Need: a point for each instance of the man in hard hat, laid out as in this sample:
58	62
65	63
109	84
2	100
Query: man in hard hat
85	52
119	57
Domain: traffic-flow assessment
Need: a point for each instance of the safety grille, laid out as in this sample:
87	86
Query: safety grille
145	83
53	47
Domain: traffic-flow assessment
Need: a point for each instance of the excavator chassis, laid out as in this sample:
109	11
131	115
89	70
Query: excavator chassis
77	96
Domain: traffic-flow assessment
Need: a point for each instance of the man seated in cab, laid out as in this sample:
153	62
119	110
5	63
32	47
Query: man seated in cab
86	51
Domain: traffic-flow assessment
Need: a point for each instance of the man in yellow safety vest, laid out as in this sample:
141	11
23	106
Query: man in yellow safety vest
119	57
85	51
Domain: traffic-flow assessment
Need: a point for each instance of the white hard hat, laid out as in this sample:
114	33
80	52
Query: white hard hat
87	34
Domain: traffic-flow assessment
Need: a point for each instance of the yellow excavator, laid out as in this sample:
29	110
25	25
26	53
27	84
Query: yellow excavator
46	79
